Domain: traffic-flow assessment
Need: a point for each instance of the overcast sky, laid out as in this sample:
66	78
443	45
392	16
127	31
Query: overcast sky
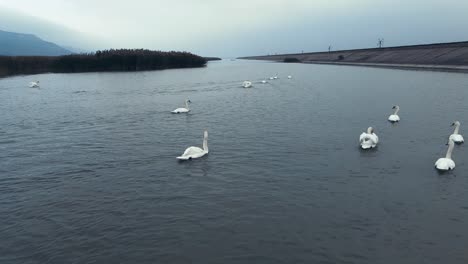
241	27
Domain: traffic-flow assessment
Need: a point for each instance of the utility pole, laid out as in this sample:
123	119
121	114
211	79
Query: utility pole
380	43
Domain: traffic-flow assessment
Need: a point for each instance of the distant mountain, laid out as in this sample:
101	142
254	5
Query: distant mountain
17	21
17	44
76	50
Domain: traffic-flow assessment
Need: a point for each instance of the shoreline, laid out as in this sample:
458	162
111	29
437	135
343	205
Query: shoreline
413	67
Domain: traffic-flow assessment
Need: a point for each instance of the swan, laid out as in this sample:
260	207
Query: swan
275	77
247	84
289	77
272	78
456	137
182	109
196	152
34	84
394	117
445	164
264	81
368	140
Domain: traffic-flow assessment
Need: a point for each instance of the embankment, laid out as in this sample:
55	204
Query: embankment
440	56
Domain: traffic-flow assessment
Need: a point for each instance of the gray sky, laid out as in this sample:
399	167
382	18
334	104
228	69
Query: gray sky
242	27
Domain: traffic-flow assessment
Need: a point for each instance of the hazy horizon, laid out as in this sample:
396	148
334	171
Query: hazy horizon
226	29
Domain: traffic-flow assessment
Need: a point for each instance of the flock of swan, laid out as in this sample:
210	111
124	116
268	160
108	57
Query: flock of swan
196	152
248	84
369	140
192	152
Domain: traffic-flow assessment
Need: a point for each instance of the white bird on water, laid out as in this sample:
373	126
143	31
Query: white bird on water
34	84
289	77
247	84
264	81
456	137
394	117
368	140
182	109
196	152
272	78
445	164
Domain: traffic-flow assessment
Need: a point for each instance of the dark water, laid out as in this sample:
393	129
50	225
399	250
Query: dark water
89	175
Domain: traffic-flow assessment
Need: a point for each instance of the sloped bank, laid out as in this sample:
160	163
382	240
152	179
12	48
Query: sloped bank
439	57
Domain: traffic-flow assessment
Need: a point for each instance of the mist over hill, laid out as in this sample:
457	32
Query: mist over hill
18	44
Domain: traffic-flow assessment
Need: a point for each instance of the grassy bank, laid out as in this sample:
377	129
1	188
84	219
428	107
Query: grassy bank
439	56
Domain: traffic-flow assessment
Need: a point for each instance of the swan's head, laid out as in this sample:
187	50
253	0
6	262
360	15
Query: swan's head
188	101
395	107
370	130
456	123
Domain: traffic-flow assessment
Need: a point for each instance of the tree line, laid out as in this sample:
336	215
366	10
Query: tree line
105	60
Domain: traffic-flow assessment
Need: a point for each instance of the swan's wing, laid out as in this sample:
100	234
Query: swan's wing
368	140
394	118
192	151
456	138
440	164
362	137
445	164
452	164
180	110
369	137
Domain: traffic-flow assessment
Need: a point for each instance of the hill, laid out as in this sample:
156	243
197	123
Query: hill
17	44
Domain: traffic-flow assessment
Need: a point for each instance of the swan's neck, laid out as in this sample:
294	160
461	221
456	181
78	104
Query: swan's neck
449	151
396	111
205	144
186	105
457	128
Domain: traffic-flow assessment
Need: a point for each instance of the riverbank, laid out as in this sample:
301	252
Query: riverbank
443	68
100	61
434	57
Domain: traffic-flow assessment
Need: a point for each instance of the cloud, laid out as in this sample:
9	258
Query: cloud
230	28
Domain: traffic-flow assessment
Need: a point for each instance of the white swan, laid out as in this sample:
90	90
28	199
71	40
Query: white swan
456	137
368	140
275	77
182	109
264	81
247	84
394	117
289	77
445	164
34	84
272	78
196	152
